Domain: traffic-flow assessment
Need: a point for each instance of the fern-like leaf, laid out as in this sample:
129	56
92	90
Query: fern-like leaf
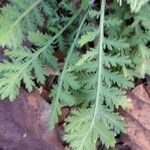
56	101
29	62
15	20
100	88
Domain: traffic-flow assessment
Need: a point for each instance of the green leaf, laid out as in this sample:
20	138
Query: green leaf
56	101
88	37
117	44
84	4
135	5
11	21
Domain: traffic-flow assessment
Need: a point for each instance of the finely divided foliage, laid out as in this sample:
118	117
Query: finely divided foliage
116	39
85	126
17	18
24	61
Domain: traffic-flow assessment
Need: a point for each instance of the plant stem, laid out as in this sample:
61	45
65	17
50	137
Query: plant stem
100	70
54	114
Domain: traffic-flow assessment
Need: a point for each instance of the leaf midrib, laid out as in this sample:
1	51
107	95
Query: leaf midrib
100	71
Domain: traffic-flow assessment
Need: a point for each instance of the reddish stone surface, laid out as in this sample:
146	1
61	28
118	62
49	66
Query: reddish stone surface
138	119
23	124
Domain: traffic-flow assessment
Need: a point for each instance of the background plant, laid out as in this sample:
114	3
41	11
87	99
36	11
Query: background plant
115	38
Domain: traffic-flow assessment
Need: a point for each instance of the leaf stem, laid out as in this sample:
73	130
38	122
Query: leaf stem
54	114
100	70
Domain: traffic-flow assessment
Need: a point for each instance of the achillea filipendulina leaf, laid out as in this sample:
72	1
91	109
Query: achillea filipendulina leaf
28	65
106	58
13	21
56	100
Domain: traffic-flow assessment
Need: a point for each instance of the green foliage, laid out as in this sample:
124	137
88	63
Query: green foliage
105	76
86	125
27	64
115	41
17	18
64	89
135	5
